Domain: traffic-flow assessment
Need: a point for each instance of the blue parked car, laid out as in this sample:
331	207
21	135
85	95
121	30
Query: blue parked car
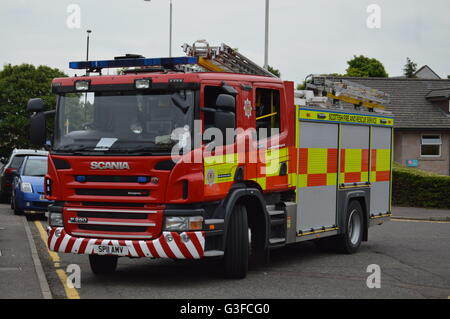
28	187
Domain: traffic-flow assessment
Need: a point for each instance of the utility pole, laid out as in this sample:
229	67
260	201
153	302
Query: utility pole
170	30
266	45
87	46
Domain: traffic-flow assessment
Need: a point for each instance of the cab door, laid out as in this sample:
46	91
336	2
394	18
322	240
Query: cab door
271	125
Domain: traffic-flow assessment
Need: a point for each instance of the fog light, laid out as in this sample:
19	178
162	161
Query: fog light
169	237
55	219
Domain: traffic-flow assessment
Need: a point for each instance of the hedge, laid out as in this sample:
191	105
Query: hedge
416	188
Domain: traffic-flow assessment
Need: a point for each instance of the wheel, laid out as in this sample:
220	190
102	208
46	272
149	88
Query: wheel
350	240
237	244
14	205
103	264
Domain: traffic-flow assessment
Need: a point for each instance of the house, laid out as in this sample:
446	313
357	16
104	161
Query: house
421	107
426	72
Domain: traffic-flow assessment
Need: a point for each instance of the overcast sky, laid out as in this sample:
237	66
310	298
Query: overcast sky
306	37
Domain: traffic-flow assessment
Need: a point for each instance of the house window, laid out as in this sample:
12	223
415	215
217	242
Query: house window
431	145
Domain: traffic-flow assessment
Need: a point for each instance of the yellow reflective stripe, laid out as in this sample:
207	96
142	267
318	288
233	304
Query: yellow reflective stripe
317	160
221	159
383	160
331	179
345	118
353	159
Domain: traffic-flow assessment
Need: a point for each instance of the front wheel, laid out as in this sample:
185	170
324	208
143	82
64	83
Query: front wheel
101	265
14	206
237	244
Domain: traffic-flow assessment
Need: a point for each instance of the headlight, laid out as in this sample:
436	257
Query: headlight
184	223
26	187
55	219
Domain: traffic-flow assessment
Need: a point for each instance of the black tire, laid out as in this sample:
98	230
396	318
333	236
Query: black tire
102	265
237	245
16	210
350	240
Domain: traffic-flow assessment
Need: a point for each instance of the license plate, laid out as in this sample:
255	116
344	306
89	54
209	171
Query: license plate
110	250
42	197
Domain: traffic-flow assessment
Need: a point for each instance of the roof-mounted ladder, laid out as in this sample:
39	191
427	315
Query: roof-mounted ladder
350	92
223	59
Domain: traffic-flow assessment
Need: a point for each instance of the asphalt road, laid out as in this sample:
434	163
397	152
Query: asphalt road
414	258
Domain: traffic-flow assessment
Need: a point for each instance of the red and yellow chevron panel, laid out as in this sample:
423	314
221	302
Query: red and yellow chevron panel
317	167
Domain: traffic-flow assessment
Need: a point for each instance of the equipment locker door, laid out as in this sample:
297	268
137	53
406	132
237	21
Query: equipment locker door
380	173
317	178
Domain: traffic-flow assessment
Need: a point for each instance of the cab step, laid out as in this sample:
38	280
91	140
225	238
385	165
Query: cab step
277	236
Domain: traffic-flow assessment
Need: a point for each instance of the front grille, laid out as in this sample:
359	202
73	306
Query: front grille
114	222
111	228
112	215
112	192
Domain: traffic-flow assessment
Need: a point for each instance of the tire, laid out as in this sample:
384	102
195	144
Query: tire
102	265
14	206
237	245
350	240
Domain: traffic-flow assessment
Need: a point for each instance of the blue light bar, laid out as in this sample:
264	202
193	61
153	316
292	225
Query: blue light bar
126	63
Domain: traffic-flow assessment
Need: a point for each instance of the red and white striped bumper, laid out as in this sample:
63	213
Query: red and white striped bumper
187	245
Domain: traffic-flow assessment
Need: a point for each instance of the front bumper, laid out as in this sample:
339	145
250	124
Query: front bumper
31	202
187	245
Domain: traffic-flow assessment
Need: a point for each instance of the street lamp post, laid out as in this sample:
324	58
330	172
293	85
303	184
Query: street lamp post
87	46
170	27
266	44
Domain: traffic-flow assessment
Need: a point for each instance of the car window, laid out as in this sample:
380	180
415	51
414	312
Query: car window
35	167
17	161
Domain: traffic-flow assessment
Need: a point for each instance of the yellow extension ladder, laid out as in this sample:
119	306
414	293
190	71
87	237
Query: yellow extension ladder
222	59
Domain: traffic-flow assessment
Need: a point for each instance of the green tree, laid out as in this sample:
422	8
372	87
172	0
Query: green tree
19	83
361	66
274	71
410	68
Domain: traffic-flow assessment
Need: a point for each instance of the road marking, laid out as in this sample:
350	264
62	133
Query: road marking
419	221
45	289
71	293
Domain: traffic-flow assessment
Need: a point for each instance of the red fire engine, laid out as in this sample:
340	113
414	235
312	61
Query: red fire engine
119	190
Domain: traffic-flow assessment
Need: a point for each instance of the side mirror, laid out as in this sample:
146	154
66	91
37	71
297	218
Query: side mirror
35	105
38	129
226	102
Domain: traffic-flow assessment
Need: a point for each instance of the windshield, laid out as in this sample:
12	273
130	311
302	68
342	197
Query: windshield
122	122
35	167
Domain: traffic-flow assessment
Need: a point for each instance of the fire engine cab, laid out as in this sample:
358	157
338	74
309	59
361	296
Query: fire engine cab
321	171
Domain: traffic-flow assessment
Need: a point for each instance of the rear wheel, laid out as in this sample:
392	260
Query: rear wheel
103	264
350	240
237	244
